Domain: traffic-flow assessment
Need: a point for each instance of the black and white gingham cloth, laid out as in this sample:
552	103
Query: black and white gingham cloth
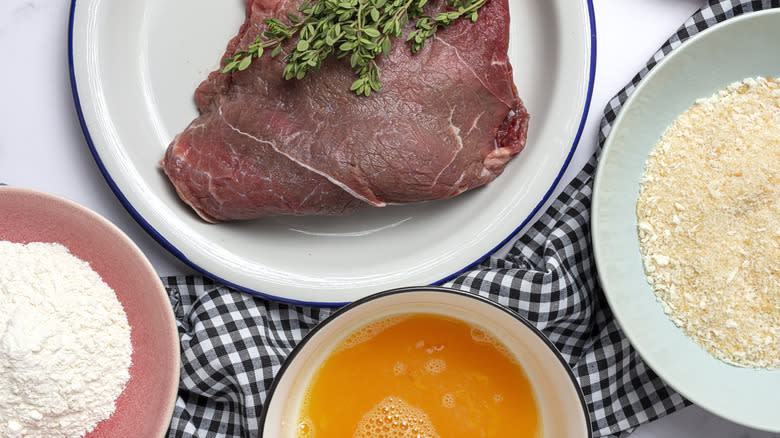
232	343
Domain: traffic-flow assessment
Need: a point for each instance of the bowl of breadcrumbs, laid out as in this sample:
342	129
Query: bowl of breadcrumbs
686	219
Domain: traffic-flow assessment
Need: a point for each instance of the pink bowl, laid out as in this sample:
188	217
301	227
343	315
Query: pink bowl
145	406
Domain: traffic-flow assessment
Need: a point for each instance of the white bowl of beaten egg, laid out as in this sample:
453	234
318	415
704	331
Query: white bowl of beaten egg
425	362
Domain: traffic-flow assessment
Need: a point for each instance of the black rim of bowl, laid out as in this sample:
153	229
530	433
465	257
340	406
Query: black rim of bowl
411	289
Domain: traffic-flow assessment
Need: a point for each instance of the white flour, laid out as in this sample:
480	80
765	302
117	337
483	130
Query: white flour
64	343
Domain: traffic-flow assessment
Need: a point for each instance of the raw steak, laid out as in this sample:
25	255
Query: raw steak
447	120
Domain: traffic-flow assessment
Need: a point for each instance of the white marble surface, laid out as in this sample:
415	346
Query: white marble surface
42	147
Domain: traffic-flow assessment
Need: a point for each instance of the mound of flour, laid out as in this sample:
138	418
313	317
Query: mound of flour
65	348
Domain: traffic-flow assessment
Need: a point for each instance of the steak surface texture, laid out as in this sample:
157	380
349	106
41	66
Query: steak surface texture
448	119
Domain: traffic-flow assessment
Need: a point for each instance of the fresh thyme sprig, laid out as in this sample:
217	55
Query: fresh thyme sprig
358	29
426	26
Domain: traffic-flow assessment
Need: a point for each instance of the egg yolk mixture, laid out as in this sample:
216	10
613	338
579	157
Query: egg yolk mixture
419	375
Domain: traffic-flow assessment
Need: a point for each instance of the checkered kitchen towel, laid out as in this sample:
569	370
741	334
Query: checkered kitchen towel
234	343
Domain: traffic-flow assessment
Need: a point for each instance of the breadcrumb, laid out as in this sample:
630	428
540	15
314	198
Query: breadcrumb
708	222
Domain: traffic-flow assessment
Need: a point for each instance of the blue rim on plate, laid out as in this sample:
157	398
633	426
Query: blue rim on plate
164	242
438	289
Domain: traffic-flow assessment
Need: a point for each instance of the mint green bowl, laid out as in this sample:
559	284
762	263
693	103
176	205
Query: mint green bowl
745	46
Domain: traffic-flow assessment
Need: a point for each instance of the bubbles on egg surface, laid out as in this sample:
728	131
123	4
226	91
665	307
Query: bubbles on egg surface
399	369
369	331
478	335
395	418
435	366
304	428
434	349
448	401
481	336
498	397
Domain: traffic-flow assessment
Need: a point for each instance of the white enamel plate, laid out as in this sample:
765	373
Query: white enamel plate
135	66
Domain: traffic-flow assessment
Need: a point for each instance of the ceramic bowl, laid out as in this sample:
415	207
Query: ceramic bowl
145	406
562	408
736	49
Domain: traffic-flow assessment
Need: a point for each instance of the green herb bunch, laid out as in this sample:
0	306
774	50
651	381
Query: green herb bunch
358	29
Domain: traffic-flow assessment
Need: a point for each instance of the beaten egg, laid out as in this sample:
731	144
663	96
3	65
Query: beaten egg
419	375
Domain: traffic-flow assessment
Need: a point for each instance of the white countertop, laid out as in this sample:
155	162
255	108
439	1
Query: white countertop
42	146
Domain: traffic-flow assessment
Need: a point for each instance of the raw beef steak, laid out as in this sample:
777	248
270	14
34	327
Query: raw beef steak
447	120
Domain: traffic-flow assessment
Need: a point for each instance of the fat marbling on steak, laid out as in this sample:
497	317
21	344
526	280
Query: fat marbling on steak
448	119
